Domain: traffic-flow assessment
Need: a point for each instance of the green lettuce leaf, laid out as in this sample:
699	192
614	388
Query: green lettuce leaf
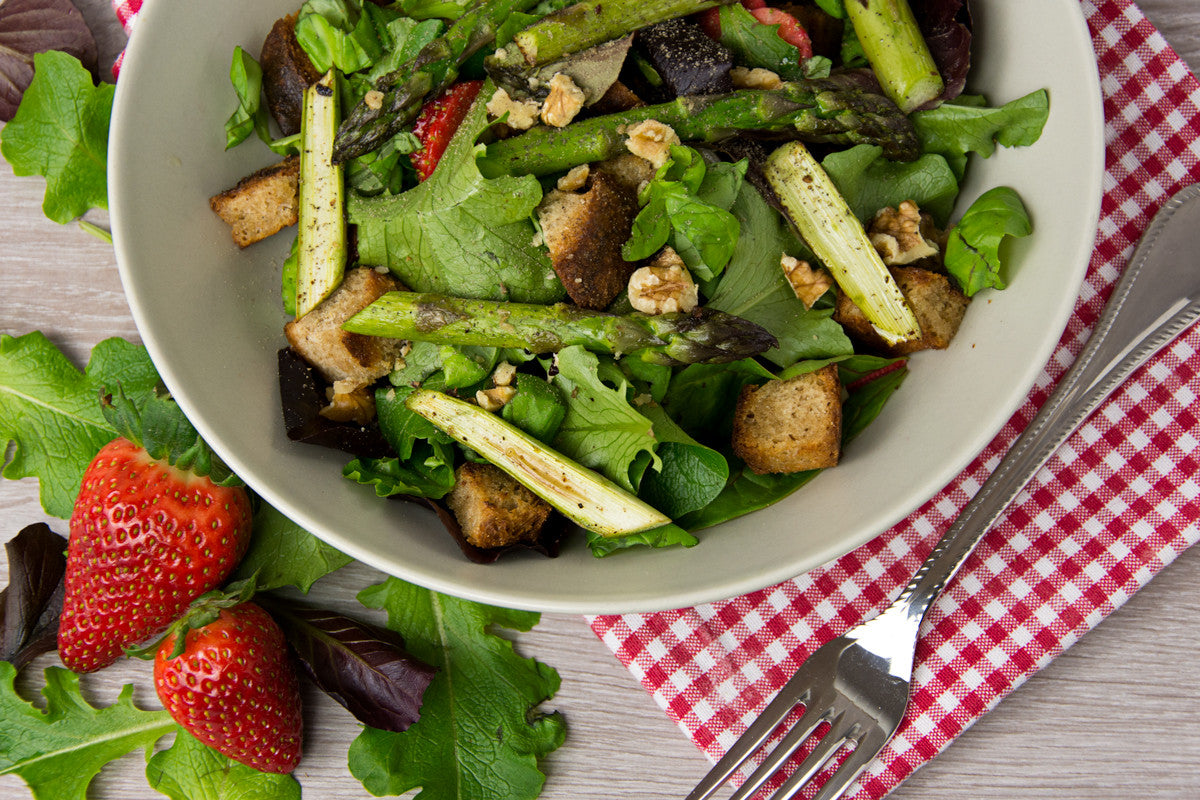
691	475
754	287
868	182
59	750
670	535
250	116
60	132
481	733
51	410
758	45
190	770
284	554
955	129
602	430
459	233
973	250
428	472
747	491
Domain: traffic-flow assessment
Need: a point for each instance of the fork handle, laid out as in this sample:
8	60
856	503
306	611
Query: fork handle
1139	319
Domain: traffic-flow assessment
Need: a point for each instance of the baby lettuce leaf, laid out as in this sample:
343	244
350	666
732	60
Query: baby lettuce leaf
338	34
481	733
61	133
59	750
284	554
190	770
51	410
670	535
602	430
428	472
966	126
754	287
701	397
869	182
31	602
458	233
251	115
364	667
746	491
691	475
973	250
36	26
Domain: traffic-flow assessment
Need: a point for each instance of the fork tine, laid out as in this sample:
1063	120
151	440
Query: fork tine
749	742
843	778
830	743
809	721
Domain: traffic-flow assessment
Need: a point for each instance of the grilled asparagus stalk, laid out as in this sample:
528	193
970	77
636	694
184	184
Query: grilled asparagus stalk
817	111
703	336
897	51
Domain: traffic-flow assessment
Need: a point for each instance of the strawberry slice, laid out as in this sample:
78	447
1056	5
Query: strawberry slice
437	122
789	29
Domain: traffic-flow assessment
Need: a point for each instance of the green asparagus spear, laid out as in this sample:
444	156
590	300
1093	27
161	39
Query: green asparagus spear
897	51
583	25
703	336
367	127
823	110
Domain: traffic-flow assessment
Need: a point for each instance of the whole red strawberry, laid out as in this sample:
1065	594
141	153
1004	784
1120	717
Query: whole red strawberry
148	535
233	687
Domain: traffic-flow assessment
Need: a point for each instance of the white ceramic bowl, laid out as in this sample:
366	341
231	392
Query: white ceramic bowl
211	319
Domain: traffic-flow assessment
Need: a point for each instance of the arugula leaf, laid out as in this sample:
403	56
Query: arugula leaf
58	751
759	45
601	430
50	410
284	554
459	232
973	250
869	182
191	770
755	288
480	734
60	132
960	127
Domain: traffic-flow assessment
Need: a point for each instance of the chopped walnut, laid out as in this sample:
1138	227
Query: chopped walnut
495	399
349	403
522	114
504	374
663	287
574	180
564	101
896	234
651	140
808	283
373	99
757	78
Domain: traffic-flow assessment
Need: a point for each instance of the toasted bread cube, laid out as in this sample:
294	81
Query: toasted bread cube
262	203
286	72
340	355
494	510
790	425
584	233
939	308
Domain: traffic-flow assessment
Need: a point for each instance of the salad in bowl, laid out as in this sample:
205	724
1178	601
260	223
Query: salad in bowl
640	269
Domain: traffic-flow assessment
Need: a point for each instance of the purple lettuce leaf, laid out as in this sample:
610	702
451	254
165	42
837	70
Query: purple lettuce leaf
31	603
35	26
946	25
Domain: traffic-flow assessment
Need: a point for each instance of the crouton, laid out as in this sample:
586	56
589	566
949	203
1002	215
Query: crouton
286	72
262	203
494	510
630	171
584	233
790	425
938	306
340	355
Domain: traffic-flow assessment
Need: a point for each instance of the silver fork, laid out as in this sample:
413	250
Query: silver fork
858	684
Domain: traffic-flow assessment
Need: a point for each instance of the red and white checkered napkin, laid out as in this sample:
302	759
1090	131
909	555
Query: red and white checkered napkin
1115	505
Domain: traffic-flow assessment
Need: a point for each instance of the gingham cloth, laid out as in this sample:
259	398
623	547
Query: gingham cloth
1115	505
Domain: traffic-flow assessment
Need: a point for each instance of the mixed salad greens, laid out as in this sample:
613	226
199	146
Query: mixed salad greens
456	212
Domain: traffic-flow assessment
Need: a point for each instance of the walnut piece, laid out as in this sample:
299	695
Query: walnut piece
564	101
757	78
651	140
808	283
522	114
350	402
574	180
495	399
373	99
896	234
663	287
504	374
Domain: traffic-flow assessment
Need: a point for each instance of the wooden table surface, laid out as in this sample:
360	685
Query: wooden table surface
1115	717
